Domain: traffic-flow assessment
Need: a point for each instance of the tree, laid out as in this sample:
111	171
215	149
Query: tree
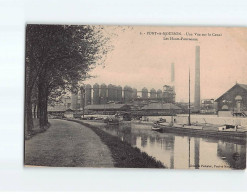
57	57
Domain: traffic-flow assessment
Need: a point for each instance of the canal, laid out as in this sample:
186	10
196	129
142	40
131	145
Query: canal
181	152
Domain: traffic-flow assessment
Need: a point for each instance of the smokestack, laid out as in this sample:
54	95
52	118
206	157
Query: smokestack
172	73
173	81
197	81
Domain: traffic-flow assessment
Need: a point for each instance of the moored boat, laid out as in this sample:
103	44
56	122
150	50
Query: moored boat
156	127
228	128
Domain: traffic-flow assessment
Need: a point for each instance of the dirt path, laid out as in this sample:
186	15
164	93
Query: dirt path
67	144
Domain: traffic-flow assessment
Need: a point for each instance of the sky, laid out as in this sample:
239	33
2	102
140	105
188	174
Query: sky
143	60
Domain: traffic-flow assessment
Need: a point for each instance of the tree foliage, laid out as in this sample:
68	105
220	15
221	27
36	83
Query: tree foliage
57	57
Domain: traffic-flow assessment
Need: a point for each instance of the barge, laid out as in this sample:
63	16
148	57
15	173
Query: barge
196	130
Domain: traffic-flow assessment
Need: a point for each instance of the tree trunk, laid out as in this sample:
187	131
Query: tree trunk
37	110
42	104
29	85
28	118
34	111
28	111
46	114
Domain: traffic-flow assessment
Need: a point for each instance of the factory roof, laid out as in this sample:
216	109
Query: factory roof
107	107
159	106
244	86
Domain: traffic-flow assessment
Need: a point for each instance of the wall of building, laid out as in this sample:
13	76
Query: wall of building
96	98
144	93
88	94
119	93
228	99
153	93
101	94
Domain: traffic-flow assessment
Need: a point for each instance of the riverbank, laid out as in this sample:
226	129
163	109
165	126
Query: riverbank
124	155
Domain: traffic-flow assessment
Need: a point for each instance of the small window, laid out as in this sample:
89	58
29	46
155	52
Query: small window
238	98
225	107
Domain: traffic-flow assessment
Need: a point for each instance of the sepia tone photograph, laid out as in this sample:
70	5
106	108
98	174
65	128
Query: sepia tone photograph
135	97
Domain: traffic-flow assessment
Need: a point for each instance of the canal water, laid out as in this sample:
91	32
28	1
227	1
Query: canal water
182	152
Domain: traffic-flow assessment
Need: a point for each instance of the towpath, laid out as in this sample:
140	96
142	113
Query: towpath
67	144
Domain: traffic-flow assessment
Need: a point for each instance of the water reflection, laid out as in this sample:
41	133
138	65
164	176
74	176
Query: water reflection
183	152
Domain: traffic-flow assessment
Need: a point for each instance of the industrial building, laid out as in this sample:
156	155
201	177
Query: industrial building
119	94
61	107
106	108
208	106
233	102
168	94
127	94
153	94
105	94
96	97
144	93
161	109
88	94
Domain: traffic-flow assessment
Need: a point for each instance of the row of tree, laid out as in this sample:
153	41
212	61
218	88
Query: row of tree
57	57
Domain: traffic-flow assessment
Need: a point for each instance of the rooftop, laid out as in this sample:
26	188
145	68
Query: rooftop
244	86
159	106
106	107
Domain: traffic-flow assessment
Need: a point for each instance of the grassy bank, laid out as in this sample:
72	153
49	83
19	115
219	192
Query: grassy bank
36	129
123	153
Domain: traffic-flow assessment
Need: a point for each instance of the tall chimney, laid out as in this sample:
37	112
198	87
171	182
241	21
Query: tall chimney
172	73
173	82
197	81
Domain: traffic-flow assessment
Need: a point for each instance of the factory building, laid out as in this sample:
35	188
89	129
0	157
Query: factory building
168	94
208	106
114	93
134	93
60	107
159	109
96	98
107	108
88	94
145	93
159	94
119	93
234	101
153	94
103	94
110	93
127	94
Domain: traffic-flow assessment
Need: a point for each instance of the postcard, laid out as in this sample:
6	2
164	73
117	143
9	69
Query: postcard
135	97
